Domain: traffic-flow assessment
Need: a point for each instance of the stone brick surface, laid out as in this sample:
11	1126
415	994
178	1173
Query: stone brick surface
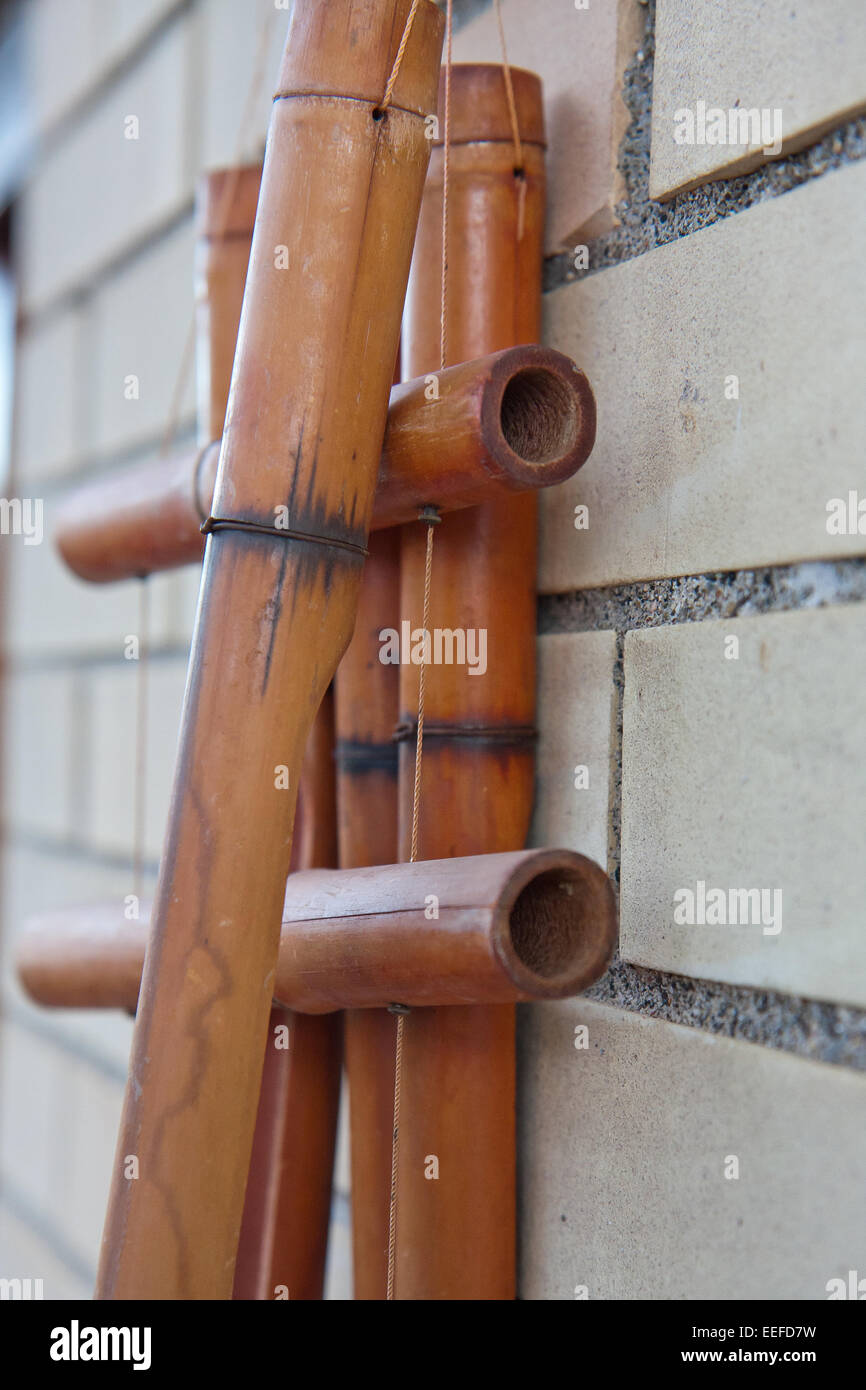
742	773
808	62
684	479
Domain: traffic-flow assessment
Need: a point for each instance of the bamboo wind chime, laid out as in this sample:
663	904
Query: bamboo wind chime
253	934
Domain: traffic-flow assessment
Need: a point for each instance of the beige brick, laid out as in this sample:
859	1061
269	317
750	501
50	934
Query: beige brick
113	753
623	1154
95	191
39	793
239	45
748	773
53	613
60	41
49	398
683	480
34	880
91	1121
141	322
575	721
60	1117
70	44
24	1254
580	56
33	1137
806	61
121	25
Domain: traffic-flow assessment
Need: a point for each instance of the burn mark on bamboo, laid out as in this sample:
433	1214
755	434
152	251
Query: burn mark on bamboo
356	756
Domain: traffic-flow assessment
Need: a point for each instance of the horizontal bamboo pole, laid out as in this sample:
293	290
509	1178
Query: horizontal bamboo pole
515	421
534	924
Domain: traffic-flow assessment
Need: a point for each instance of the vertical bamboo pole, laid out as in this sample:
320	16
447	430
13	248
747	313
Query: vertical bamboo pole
226	204
340	193
366	707
284	1233
456	1233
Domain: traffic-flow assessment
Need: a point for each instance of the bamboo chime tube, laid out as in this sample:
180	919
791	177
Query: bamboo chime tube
456	1236
535	924
225	217
366	716
518	420
340	192
284	1233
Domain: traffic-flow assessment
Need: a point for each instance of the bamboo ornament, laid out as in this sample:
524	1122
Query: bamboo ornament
515	421
306	495
537	924
303	436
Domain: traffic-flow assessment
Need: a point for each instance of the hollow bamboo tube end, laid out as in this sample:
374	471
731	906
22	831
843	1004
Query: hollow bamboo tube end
555	930
539	414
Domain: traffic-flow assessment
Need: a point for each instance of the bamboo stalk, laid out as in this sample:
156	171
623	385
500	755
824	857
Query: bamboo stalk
305	423
366	716
515	421
535	924
284	1233
456	1239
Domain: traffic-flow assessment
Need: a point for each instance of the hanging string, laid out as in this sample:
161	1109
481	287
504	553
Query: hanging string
431	516
519	170
392	80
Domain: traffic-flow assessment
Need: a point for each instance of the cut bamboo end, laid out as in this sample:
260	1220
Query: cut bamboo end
487	929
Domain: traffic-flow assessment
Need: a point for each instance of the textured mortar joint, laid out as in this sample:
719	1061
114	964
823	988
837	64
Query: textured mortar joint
645	223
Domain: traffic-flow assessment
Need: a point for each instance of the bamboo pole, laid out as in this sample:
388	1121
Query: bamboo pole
303	435
226	202
284	1232
514	421
535	924
366	717
456	1236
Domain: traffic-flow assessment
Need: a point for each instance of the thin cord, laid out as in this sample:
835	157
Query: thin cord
519	170
432	519
443	307
395	1150
392	80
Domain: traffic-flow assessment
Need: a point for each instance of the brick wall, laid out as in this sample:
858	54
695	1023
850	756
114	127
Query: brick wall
701	641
